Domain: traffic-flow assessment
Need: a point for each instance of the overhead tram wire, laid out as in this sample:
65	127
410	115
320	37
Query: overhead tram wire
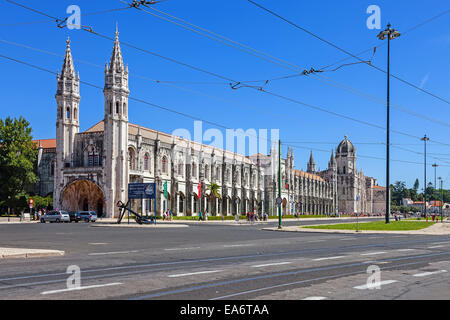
288	65
89	29
347	52
384	43
53	19
178	112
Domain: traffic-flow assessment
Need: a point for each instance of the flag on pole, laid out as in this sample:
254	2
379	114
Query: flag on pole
165	189
200	190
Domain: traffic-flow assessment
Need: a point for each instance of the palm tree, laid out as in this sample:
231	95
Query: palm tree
214	193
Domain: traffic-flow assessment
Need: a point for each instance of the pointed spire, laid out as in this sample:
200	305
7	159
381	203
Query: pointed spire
311	159
116	63
68	70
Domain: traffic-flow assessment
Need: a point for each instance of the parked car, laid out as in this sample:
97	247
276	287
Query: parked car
74	216
88	216
55	216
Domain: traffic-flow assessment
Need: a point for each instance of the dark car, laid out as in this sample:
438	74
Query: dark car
88	216
74	216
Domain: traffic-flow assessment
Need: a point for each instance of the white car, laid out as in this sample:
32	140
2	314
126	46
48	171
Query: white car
55	216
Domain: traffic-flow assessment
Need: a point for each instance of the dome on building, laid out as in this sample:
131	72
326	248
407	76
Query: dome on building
345	147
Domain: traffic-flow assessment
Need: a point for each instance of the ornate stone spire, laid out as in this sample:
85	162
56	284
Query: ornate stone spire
68	70
116	63
311	164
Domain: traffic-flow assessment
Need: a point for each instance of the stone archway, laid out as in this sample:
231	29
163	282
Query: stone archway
83	195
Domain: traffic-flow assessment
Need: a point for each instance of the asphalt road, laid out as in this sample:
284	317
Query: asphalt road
214	261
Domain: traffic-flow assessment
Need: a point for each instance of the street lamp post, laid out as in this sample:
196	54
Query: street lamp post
391	34
442	200
425	139
435	165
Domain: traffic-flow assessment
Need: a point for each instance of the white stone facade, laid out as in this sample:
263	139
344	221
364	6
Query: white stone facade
93	168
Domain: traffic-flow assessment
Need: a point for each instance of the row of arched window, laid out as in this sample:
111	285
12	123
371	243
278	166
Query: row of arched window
117	108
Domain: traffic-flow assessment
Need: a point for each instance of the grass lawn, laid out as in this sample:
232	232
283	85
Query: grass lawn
377	225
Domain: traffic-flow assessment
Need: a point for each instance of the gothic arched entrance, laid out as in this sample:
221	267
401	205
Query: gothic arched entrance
83	195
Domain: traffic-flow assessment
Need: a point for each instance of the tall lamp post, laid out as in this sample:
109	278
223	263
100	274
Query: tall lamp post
442	199
425	139
435	165
390	34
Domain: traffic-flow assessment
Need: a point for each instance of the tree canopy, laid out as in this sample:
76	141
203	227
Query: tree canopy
17	159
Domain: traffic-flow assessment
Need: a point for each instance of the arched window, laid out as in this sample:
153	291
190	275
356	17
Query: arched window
75	113
61	115
146	162
131	159
110	108
194	170
68	113
206	171
52	168
124	108
164	164
180	168
117	107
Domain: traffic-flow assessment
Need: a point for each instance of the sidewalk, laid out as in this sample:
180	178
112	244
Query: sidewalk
13	253
15	220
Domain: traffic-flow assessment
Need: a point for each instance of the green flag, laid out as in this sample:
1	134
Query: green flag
165	189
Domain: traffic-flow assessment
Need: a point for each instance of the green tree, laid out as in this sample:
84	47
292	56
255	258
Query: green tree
214	193
17	158
416	185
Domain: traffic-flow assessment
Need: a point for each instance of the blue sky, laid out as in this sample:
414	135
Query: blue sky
420	57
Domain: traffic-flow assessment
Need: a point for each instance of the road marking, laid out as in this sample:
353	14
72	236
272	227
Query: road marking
237	245
328	258
344	239
424	274
190	248
311	241
115	252
97	243
374	285
433	247
372	253
81	288
271	264
315	298
192	273
401	250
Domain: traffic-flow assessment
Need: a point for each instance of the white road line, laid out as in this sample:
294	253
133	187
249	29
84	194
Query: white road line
311	241
97	243
345	239
401	250
192	273
173	249
237	245
424	274
315	298
82	288
271	264
374	285
115	252
433	247
373	253
328	258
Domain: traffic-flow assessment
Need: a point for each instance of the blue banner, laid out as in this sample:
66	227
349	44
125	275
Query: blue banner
141	191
